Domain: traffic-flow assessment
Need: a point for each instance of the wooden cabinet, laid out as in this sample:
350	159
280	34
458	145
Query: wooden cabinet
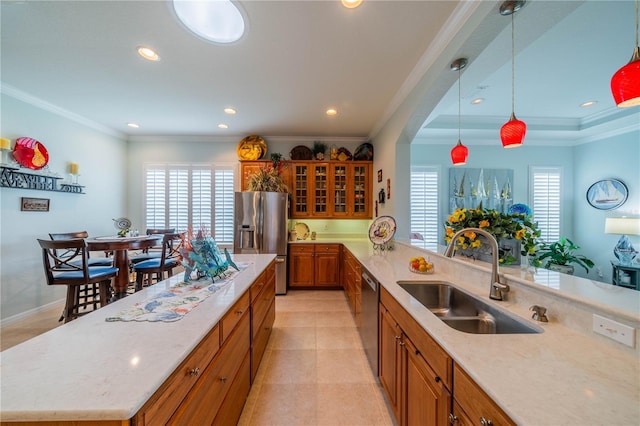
473	405
314	265
331	190
263	313
212	384
248	168
411	368
351	282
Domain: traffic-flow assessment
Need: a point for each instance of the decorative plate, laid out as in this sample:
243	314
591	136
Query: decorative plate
302	230
607	194
30	153
301	152
122	223
382	230
364	152
344	154
252	148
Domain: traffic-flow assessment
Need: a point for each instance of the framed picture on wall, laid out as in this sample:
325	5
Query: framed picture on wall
34	204
607	194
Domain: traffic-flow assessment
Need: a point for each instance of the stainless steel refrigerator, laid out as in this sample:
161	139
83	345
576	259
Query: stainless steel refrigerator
260	226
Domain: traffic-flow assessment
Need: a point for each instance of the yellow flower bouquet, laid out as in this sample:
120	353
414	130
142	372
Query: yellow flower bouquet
502	226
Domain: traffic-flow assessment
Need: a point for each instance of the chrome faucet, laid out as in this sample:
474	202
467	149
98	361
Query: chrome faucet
497	289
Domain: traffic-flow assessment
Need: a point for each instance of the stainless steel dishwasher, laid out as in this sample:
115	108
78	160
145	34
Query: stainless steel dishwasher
370	290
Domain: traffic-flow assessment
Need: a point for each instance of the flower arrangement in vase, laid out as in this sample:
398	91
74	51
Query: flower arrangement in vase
268	178
502	226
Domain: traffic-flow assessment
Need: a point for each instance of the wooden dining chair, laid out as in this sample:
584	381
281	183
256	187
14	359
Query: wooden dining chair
169	259
66	262
152	252
93	261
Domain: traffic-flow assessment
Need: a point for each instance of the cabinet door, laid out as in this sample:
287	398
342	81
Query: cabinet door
247	169
426	401
360	190
327	265
300	190
301	265
390	359
339	188
320	202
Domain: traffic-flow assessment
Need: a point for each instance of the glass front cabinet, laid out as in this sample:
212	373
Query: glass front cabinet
331	190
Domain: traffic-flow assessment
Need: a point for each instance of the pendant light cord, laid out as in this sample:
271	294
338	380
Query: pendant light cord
637	24
459	108
513	65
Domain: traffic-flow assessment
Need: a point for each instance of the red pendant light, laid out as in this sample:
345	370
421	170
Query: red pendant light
459	153
513	131
625	83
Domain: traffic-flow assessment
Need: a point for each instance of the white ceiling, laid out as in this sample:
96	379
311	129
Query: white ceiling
300	57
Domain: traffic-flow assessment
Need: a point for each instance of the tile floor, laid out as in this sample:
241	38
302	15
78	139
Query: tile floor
314	370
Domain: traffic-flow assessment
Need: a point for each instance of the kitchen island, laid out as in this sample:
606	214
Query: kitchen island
94	370
566	375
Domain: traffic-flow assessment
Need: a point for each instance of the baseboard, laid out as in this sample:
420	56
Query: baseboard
26	314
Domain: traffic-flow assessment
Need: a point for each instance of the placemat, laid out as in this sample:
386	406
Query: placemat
174	303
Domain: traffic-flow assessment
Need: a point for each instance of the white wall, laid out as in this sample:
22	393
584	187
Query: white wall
102	160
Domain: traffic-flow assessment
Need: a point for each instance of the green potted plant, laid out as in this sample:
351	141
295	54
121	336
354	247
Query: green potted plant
560	255
319	148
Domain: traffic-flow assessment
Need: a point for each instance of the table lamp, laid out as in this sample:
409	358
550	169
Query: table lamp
624	250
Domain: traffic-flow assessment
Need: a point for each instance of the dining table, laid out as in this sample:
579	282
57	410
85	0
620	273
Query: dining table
120	247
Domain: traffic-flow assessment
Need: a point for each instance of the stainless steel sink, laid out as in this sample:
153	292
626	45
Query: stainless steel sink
464	312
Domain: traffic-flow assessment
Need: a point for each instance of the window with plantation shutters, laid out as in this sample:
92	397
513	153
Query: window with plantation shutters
424	206
545	200
197	195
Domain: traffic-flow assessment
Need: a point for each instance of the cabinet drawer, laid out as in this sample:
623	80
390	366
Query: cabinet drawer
231	408
203	402
166	400
327	248
232	317
260	307
258	286
300	248
260	339
475	403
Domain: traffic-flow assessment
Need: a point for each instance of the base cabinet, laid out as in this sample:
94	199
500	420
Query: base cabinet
416	394
351	282
314	265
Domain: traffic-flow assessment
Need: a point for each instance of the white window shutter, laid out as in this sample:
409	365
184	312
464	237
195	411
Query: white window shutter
424	206
545	200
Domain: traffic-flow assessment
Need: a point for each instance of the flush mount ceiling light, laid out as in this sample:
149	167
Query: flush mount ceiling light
148	53
219	21
230	111
625	83
513	131
133	125
331	112
351	4
477	101
223	126
459	153
588	104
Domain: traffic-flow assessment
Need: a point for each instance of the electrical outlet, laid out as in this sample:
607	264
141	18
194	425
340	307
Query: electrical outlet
614	330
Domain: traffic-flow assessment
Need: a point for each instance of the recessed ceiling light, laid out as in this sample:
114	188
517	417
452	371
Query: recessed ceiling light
331	111
477	101
134	125
351	4
588	104
223	126
219	21
230	111
148	53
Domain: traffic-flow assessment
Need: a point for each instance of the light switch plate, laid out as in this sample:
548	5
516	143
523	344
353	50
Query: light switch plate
614	330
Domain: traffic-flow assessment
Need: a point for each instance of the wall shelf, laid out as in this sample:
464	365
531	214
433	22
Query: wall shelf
12	177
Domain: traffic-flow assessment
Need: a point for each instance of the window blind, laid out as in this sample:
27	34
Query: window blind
545	200
424	206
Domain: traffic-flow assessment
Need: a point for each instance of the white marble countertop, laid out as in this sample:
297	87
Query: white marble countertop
563	376
98	370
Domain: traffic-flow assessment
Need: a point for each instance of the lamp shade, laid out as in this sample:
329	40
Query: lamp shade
625	83
512	132
459	154
622	226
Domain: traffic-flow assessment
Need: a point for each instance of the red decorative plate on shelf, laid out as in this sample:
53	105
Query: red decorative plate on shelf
30	153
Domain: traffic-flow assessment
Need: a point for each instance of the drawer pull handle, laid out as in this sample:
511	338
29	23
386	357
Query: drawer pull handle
239	311
194	371
437	379
223	379
453	419
485	422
